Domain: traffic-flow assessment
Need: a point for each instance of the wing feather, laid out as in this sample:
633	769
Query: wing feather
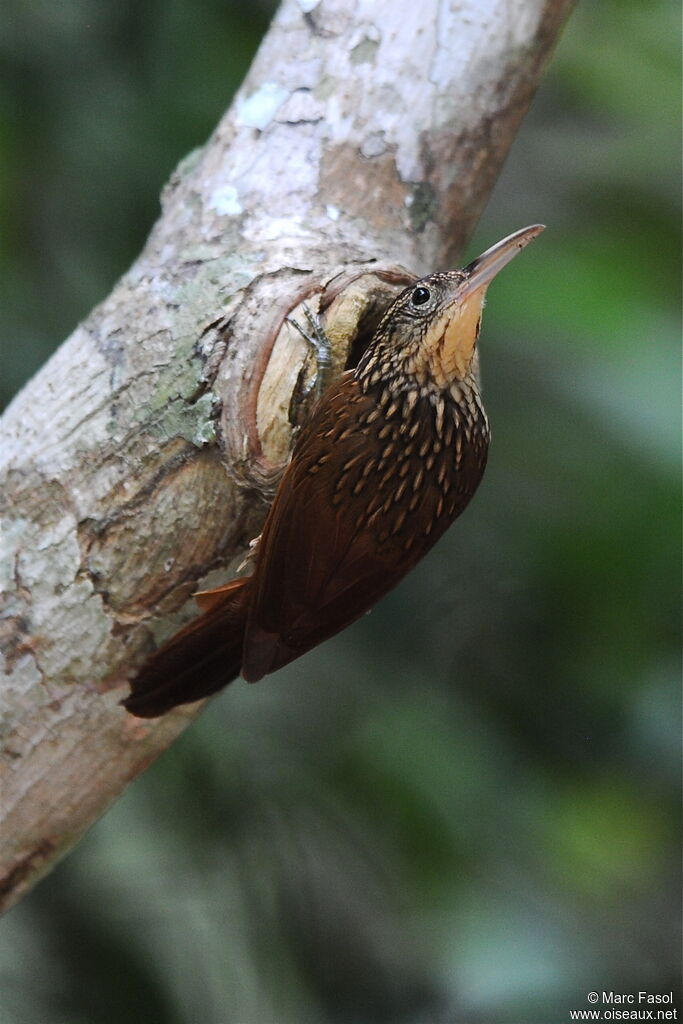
319	568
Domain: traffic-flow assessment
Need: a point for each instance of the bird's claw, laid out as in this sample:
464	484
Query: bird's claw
319	345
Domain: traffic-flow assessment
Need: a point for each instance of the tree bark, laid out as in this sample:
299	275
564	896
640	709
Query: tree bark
137	464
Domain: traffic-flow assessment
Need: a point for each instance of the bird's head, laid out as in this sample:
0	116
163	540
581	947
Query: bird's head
430	331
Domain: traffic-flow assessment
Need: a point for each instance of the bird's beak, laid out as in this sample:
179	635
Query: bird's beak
452	338
481	272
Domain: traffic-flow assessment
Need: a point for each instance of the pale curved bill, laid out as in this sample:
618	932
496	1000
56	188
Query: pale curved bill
480	272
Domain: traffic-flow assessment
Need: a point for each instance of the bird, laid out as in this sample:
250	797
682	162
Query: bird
392	454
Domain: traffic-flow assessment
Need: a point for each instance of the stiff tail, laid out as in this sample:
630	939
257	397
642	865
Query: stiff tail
199	660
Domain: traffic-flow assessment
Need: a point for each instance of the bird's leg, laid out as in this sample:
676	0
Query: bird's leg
319	344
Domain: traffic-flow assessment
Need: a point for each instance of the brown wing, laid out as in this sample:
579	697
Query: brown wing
335	540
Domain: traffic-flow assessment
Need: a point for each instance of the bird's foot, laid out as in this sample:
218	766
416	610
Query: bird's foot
250	555
320	347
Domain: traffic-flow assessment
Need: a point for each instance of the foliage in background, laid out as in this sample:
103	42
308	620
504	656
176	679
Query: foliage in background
467	806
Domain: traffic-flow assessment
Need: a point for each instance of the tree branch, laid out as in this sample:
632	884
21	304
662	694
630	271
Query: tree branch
367	136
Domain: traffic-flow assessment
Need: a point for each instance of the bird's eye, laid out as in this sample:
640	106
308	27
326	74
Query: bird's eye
420	296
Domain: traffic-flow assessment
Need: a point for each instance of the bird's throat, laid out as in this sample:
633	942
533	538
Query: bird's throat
447	349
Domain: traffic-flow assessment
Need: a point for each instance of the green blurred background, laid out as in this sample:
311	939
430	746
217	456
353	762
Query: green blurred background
466	807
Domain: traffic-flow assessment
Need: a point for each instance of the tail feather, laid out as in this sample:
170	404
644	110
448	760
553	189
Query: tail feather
199	660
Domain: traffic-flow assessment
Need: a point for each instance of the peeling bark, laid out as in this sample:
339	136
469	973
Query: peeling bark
365	139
